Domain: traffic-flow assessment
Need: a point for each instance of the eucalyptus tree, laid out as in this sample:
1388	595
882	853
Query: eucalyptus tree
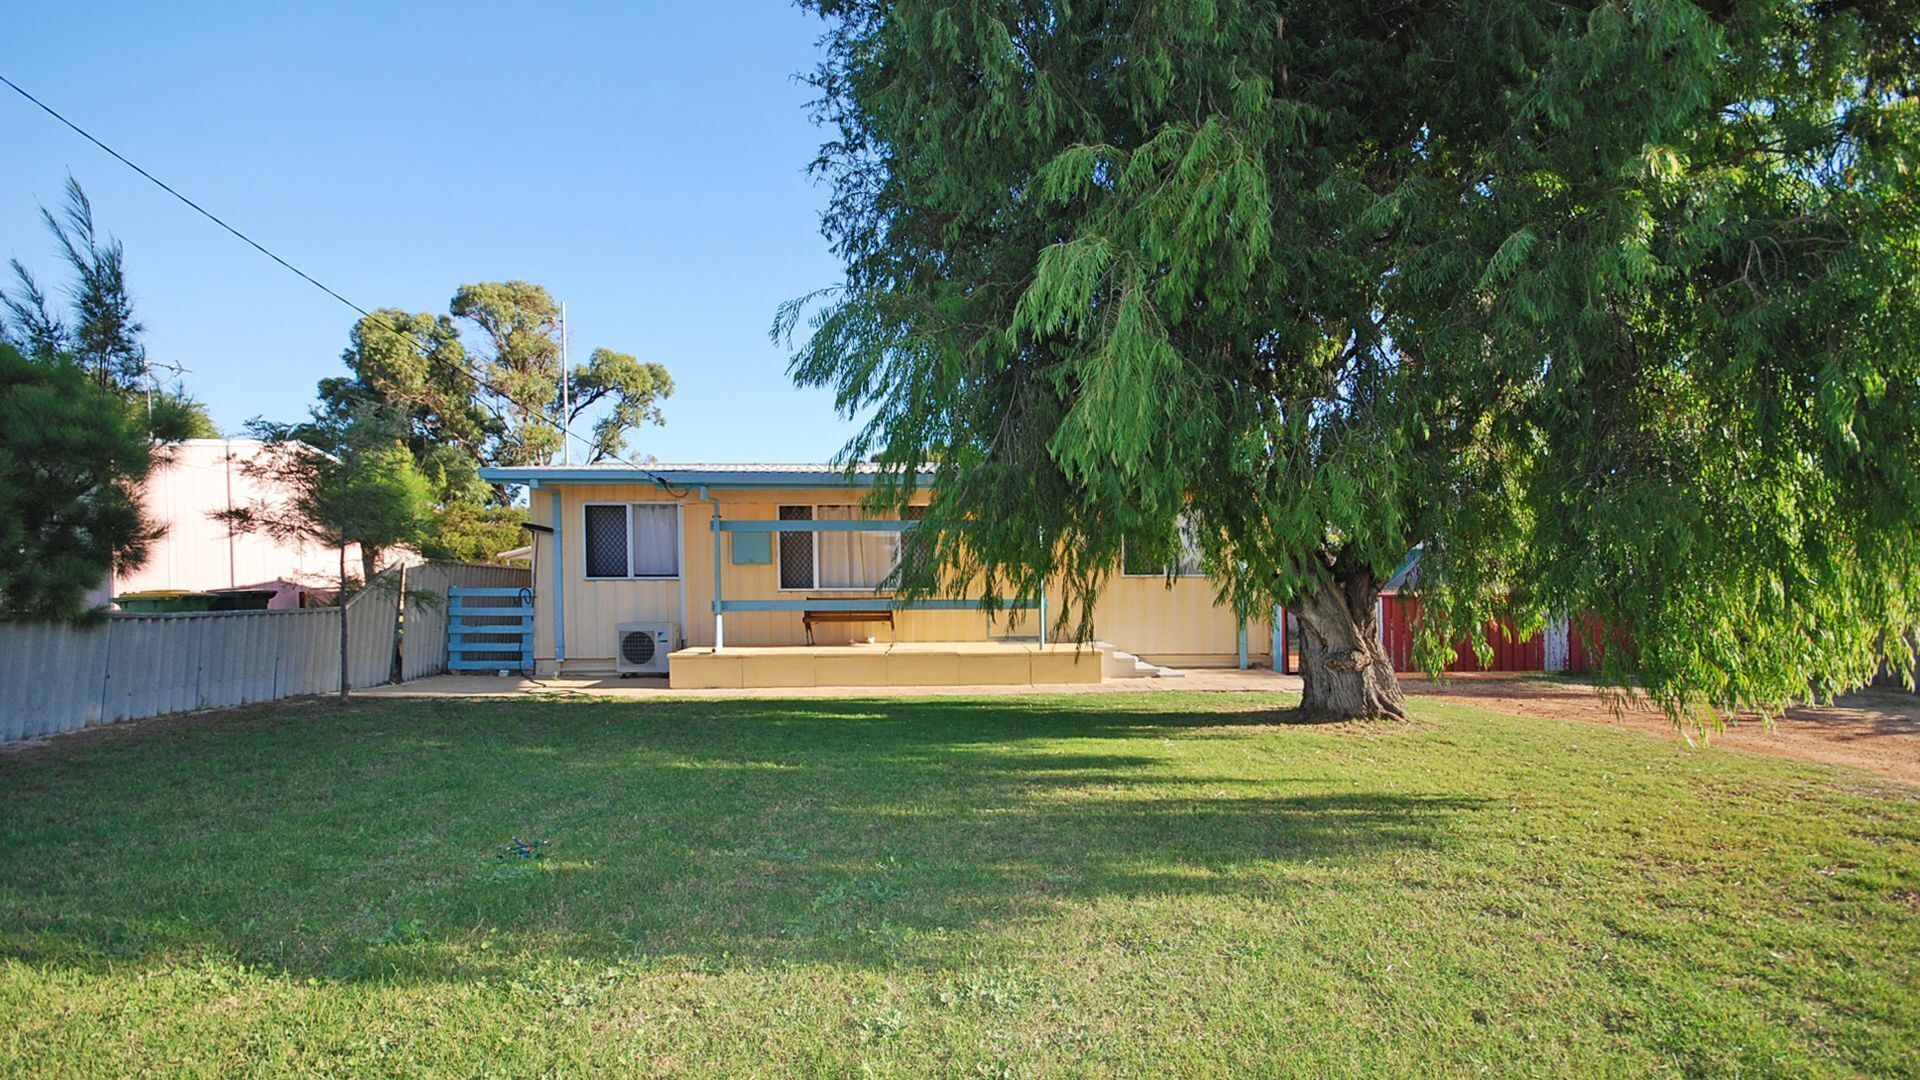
498	403
1612	309
524	382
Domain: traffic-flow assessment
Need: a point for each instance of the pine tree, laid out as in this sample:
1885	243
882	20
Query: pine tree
71	455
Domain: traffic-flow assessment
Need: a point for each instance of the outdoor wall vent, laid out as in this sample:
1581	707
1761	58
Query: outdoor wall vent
644	647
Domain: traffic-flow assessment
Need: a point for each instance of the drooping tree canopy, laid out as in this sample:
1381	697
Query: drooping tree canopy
1612	308
522	375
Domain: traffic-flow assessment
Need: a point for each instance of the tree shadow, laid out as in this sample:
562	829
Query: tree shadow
378	842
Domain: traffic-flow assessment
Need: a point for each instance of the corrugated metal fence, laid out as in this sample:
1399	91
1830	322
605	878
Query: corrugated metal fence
1550	651
57	677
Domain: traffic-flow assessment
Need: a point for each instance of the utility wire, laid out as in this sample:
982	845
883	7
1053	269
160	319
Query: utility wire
565	428
164	186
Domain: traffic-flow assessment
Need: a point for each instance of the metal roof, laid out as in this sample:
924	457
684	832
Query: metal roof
1408	574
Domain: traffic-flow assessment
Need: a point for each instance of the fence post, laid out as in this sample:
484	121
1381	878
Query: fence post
395	668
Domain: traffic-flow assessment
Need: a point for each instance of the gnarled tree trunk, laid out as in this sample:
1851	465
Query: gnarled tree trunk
1348	674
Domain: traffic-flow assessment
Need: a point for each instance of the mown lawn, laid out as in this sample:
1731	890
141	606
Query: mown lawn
1121	884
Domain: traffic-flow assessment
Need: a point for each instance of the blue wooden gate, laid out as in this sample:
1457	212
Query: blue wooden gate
489	629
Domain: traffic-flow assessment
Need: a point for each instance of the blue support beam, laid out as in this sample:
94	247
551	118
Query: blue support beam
874	603
719	604
870	525
1280	639
559	587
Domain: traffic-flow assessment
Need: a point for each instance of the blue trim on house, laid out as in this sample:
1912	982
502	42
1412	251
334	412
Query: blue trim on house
714	478
1279	644
735	525
871	604
559	582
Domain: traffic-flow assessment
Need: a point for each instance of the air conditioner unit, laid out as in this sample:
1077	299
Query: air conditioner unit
644	646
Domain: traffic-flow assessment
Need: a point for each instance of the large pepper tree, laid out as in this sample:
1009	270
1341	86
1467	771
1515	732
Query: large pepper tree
1610	308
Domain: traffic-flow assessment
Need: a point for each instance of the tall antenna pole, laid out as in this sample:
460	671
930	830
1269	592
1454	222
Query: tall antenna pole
566	396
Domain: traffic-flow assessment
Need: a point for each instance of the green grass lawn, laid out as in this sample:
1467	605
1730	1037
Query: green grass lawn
1120	884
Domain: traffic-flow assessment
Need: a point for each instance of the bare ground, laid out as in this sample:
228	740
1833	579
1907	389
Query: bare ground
1877	730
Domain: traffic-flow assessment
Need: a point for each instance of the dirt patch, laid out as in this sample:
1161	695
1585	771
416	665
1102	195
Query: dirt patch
1878	730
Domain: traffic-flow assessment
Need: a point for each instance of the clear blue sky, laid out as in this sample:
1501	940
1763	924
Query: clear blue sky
645	162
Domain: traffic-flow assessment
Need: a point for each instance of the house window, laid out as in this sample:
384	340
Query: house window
632	540
834	560
606	541
854	560
796	550
1188	561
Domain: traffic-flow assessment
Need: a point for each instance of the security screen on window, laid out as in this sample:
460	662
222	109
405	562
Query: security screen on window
632	540
796	550
834	560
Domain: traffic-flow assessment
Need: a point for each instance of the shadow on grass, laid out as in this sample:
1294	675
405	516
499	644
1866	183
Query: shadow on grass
377	843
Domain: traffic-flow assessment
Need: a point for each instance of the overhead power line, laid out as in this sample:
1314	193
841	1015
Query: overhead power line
564	427
168	188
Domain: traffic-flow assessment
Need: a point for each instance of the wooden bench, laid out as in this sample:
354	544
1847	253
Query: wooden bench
808	618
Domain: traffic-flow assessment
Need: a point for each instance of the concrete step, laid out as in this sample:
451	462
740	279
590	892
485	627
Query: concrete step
1117	663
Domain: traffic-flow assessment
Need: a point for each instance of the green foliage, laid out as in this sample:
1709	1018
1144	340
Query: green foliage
173	415
497	406
631	390
521	376
1612	306
418	365
71	456
473	530
521	367
101	335
104	337
349	479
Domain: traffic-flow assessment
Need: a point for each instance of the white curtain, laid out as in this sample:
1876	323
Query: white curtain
853	560
656	541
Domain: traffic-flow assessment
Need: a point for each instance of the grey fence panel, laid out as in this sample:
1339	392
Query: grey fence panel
152	667
372	621
57	677
236	656
220	645
52	678
309	653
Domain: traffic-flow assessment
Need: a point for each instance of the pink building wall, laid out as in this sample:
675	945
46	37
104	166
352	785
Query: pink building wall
202	476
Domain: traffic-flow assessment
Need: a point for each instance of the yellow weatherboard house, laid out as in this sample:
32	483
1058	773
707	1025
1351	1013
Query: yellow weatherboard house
771	575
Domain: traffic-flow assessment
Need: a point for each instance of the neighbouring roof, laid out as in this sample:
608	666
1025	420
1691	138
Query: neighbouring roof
711	474
1407	576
